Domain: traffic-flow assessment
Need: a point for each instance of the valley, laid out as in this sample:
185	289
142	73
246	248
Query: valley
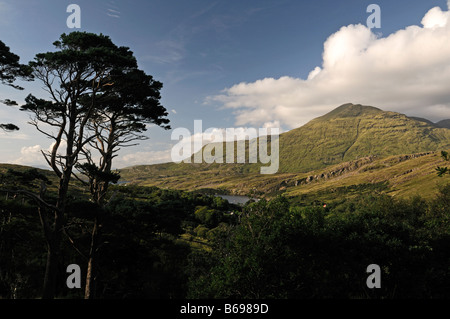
353	146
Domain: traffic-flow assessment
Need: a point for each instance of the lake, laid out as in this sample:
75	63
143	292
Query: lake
235	199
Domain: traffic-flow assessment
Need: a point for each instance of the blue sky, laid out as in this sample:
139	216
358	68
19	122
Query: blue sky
224	61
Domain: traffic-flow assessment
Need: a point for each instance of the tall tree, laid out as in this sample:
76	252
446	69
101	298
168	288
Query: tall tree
127	107
81	66
10	70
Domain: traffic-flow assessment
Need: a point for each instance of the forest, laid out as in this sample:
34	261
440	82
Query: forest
164	244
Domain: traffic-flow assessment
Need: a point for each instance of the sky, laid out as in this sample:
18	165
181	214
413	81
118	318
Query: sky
245	63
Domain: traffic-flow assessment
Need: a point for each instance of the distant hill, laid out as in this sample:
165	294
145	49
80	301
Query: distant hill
440	124
443	124
398	175
349	133
21	168
354	131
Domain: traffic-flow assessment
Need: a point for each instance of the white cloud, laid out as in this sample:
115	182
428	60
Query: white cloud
114	13
273	124
30	150
435	18
30	155
407	71
142	158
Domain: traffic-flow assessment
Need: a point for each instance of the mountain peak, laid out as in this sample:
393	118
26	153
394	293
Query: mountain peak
351	110
353	131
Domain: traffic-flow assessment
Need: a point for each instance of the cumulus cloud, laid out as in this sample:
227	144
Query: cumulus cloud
436	18
407	71
30	155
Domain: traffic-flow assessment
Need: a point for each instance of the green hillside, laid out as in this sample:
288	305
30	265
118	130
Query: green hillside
355	131
398	175
4	168
349	135
352	149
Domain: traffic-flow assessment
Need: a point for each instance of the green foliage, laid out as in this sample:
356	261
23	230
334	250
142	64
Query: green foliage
445	156
209	217
94	173
139	257
9	127
24	178
10	70
159	243
284	251
201	231
441	171
22	249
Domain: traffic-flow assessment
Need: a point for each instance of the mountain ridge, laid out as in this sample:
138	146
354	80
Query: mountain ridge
352	131
349	134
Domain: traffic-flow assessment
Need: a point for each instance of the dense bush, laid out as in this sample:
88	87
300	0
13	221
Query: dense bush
283	251
171	244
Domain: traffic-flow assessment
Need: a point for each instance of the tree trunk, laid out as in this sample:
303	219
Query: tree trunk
101	188
54	243
50	274
89	291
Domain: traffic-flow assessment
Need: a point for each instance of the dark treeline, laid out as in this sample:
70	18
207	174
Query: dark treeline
140	255
171	244
283	251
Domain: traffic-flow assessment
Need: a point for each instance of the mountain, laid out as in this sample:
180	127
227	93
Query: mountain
351	133
440	124
421	119
443	124
347	133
